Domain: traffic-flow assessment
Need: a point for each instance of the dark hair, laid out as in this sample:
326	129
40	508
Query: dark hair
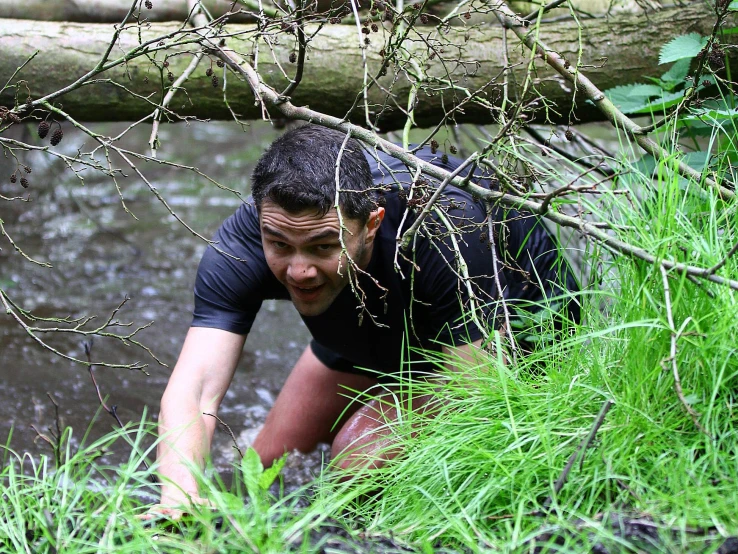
298	172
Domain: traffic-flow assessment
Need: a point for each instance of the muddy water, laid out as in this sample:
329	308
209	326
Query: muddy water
101	255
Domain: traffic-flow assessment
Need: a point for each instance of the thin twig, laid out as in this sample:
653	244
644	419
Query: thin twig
407	235
496	270
675	334
91	367
112	410
154	138
57	421
722	262
302	47
547	8
561	481
599	168
352	268
19	68
227	428
7	303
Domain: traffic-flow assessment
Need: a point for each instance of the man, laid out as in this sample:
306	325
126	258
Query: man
369	308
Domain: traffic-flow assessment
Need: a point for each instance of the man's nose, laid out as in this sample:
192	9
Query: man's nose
301	269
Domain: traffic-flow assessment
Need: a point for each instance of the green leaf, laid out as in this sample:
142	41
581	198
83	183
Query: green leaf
711	115
270	474
232	502
676	73
642	91
646	165
683	46
629	98
251	470
697	160
667	100
692	399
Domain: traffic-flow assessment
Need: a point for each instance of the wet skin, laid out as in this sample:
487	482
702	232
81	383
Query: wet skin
305	253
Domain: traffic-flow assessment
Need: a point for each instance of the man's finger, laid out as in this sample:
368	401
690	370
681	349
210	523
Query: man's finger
159	511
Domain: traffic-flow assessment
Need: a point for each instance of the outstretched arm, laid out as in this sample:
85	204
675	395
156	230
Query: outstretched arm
198	384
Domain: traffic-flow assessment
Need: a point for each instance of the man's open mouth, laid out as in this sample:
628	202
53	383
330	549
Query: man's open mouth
306	293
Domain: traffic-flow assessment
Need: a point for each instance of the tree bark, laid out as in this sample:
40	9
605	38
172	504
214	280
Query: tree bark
101	11
113	11
615	51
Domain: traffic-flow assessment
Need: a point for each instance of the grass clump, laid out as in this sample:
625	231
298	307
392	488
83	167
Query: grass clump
481	473
80	504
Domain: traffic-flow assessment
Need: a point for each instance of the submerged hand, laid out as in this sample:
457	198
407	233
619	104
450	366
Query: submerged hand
173	509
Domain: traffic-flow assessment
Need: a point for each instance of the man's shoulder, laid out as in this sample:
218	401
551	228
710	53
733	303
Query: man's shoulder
236	251
240	226
388	169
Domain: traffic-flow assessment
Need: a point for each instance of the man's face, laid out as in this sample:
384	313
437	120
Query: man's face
304	252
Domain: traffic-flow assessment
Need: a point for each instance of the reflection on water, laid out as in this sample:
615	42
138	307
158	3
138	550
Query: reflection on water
101	254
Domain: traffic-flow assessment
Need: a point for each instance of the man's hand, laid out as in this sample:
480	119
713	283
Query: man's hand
174	511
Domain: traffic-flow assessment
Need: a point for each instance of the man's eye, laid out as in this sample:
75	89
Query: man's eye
325	247
279	244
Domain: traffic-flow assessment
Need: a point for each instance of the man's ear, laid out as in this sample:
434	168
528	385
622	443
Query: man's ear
372	225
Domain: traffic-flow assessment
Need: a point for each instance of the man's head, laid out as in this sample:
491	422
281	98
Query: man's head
298	173
306	240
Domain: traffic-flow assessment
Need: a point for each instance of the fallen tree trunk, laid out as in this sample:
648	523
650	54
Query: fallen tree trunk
101	11
616	52
113	11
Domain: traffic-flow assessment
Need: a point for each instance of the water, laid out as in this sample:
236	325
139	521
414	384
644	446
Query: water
102	255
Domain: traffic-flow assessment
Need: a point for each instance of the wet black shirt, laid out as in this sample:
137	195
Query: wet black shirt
412	300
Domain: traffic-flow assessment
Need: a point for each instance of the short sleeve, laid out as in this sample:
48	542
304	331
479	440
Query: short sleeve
232	278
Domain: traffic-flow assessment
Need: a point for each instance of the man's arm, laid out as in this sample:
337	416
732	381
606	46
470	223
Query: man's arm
198	384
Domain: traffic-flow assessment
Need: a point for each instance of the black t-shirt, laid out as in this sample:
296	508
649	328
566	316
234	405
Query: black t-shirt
420	304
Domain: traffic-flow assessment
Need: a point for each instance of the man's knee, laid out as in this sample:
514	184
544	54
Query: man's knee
364	441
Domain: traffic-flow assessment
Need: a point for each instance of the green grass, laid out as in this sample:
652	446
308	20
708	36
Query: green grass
479	473
84	505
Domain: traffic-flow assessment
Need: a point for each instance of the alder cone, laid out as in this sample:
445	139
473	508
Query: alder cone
43	129
56	137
